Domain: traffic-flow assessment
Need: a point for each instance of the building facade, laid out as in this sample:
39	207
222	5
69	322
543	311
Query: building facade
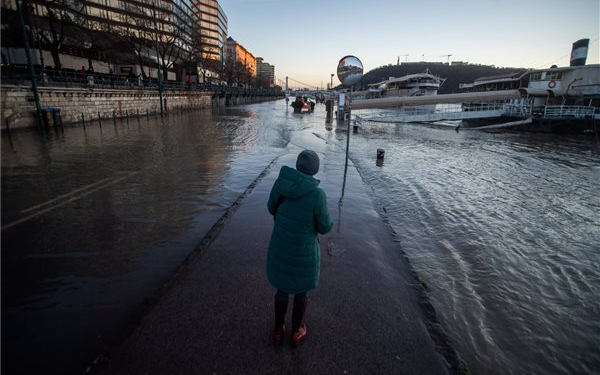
265	73
212	23
107	34
240	62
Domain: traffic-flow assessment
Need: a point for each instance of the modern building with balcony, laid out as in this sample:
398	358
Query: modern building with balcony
122	36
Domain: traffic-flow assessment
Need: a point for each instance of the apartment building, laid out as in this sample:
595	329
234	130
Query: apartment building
121	35
240	63
213	27
265	73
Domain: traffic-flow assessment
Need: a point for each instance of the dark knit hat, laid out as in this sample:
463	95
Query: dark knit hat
308	162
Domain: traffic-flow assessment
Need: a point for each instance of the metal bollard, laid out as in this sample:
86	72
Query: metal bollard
8	134
380	157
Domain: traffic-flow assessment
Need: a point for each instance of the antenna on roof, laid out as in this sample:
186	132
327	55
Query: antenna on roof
448	56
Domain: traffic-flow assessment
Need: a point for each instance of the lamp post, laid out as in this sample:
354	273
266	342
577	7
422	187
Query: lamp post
331	84
36	97
160	92
349	71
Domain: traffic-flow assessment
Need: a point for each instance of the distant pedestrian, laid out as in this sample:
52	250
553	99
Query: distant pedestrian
299	208
131	78
90	76
113	77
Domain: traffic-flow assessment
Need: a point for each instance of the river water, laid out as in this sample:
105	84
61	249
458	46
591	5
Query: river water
502	228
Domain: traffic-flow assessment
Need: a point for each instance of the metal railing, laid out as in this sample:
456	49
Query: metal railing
483	106
53	78
568	111
518	110
550	111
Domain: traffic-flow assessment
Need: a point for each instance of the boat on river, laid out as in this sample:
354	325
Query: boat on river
419	84
556	99
303	104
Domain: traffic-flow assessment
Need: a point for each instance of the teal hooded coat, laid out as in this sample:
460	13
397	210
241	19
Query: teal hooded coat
293	260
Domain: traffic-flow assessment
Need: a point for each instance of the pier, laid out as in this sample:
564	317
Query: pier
446	113
400	101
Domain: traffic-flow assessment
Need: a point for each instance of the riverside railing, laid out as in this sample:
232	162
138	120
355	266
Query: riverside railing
65	78
550	111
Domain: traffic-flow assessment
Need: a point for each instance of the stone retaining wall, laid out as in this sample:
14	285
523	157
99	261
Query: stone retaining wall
18	106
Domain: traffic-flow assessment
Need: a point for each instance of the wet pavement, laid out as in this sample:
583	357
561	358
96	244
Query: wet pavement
369	314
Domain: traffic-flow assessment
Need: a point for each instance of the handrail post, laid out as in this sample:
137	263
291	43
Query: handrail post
160	83
36	97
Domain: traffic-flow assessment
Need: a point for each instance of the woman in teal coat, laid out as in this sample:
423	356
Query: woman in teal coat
299	208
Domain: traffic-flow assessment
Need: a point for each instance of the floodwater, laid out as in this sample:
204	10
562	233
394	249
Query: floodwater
503	228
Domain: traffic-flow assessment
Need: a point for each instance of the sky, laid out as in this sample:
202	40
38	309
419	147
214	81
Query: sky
305	39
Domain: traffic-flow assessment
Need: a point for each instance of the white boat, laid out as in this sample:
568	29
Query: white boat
420	84
556	99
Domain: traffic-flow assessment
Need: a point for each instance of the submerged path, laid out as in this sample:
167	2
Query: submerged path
368	315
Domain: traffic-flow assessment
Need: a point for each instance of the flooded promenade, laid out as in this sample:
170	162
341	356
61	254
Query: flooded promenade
502	228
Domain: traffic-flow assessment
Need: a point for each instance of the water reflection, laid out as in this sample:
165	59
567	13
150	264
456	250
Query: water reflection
95	219
501	228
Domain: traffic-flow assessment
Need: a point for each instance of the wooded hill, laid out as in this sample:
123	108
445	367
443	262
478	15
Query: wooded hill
454	74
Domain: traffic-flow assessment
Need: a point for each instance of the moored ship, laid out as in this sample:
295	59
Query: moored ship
419	84
556	99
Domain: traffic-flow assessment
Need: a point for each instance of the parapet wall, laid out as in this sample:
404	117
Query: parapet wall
75	104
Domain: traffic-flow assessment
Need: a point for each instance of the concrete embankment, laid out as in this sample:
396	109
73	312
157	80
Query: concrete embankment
82	104
369	314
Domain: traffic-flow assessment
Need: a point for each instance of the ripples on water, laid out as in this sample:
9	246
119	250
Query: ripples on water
504	228
126	203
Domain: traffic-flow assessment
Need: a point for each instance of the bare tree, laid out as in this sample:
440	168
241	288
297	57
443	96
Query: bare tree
170	38
58	21
92	32
153	28
136	31
208	61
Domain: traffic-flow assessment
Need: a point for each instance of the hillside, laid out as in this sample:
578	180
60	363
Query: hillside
454	74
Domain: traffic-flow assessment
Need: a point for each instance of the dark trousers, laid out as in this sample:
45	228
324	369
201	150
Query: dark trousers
281	305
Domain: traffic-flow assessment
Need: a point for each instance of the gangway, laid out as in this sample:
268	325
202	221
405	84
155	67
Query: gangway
402	101
448	113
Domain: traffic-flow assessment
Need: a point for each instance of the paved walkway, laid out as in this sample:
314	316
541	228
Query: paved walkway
366	317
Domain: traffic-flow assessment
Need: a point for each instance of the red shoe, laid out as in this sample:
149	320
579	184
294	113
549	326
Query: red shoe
278	336
299	335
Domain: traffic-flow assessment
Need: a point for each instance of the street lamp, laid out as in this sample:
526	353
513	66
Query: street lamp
36	97
331	84
349	71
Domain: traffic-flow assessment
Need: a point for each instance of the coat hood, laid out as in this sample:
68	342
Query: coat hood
294	184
